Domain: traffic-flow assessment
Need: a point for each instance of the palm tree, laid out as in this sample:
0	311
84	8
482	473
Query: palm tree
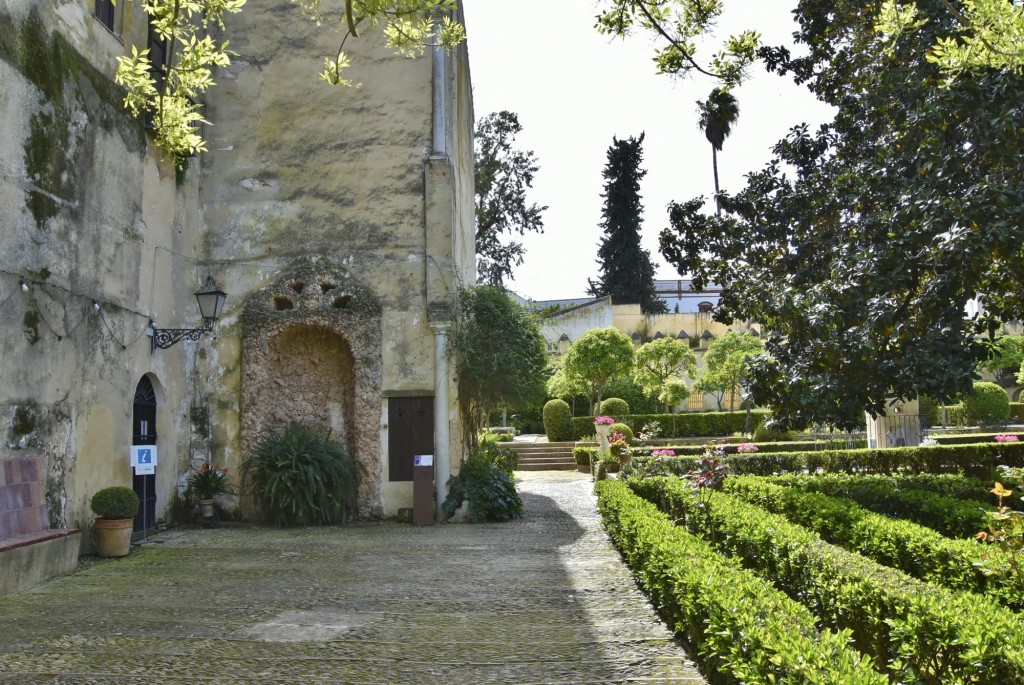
717	115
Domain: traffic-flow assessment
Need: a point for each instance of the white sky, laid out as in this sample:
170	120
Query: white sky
574	89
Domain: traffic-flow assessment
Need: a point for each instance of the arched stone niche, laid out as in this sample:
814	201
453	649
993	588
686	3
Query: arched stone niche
311	354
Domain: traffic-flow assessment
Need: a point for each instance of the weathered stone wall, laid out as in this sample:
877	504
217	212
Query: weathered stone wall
105	237
96	238
298	168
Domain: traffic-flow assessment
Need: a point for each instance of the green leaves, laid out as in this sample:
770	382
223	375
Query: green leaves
299	476
502	176
678	25
861	245
597	357
499	354
661	366
741	626
409	27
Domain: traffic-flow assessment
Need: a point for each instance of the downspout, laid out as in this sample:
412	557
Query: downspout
438	155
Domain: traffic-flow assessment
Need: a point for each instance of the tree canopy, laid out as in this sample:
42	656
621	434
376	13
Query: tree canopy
725	364
1006	358
677	25
503	175
991	34
662	361
859	245
500	356
627	272
596	358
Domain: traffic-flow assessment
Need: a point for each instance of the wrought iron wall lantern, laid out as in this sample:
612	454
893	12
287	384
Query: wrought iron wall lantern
211	301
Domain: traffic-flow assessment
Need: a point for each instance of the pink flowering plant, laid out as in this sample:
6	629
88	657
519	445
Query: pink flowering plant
1006	438
618	444
746	447
663	453
603	420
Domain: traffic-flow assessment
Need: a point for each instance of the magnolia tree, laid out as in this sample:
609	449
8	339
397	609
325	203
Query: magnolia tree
725	364
596	358
660	368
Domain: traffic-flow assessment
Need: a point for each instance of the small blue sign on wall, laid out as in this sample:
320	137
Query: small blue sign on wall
143	459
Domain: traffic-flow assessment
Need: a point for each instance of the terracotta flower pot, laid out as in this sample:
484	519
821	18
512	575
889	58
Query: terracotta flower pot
113	537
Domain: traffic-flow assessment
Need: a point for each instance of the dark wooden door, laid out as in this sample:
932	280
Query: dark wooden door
410	432
144	433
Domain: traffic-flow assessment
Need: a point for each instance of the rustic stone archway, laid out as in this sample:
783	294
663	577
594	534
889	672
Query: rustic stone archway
311	354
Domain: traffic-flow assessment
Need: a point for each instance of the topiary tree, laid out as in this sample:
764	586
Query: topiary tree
557	420
613	407
988	404
597	357
566	387
662	361
624	429
116	502
725	364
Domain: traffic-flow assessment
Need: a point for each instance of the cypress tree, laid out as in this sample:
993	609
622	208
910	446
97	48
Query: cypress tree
626	270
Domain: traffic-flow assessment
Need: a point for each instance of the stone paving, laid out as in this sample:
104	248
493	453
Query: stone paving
542	600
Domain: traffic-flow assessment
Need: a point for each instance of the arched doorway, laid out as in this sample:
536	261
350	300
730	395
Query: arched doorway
144	433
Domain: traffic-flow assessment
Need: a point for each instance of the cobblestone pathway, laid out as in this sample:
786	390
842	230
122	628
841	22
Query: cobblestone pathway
542	600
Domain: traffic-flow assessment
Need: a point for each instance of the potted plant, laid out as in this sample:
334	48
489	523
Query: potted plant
115	509
206	483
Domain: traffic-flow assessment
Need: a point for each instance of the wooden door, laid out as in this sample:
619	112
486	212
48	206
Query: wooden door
410	432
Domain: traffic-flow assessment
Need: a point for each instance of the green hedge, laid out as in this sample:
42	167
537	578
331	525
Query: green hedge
744	630
923	633
917	551
895	496
1016	412
978	460
973	438
686	425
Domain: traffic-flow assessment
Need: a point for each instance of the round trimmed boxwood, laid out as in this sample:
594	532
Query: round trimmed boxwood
613	407
117	502
557	420
988	404
624	429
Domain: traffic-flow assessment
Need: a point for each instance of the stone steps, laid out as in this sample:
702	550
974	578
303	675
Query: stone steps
544	456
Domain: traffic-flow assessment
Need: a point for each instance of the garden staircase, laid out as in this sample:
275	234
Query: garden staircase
543	456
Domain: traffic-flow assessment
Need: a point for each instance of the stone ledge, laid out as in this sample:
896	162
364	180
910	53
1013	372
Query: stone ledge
28	560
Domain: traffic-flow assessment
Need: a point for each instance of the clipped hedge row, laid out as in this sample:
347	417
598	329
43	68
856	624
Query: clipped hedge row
685	425
917	551
973	438
922	632
744	630
975	460
1016	412
890	496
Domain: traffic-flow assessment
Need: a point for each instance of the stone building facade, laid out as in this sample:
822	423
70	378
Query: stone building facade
338	221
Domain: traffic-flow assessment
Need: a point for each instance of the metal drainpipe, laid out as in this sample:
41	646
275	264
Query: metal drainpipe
442	446
440	60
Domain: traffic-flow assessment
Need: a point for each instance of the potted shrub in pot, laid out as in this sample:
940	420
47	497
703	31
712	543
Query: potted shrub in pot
207	483
115	509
